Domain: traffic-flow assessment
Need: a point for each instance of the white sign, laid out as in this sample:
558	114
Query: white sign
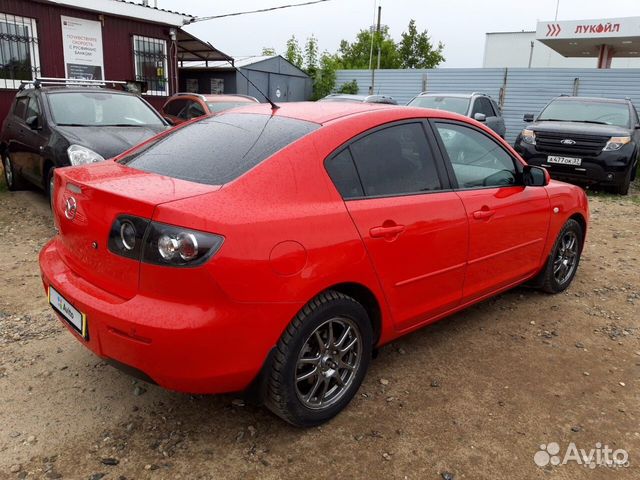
602	28
82	45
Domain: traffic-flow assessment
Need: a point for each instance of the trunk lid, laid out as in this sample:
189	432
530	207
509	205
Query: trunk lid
101	192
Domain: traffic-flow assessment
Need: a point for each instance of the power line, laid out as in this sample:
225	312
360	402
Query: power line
262	10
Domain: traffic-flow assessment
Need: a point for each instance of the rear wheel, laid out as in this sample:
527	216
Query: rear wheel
564	259
320	360
11	177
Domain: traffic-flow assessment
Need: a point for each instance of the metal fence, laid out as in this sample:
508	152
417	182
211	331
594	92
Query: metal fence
518	90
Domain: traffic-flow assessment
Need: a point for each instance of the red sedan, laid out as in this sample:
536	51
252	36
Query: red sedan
279	248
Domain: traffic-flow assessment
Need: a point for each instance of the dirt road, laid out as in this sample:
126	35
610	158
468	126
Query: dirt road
473	396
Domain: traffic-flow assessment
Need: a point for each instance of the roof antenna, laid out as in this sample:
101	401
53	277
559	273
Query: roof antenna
273	105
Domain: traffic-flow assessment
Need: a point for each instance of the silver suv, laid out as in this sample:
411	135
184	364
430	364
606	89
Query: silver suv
478	106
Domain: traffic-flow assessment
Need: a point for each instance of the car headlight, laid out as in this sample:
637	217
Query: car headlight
616	143
79	155
529	136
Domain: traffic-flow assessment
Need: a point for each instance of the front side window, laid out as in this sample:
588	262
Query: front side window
395	160
20	109
150	55
88	109
19	55
174	107
195	110
450	104
217	150
477	160
585	111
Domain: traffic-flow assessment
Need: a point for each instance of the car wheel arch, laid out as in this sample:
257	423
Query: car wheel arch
583	225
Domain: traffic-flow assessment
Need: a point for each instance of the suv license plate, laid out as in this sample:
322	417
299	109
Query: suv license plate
564	160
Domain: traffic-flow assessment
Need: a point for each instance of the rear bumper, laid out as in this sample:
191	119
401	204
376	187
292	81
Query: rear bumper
214	347
608	168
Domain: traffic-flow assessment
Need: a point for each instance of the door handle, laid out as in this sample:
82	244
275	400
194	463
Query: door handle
483	214
390	231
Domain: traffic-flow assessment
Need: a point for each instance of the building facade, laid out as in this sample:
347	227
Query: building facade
97	39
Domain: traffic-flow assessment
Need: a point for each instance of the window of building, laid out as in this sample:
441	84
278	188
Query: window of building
150	55
19	55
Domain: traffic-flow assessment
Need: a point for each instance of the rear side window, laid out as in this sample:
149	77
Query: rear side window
175	106
218	150
396	160
343	172
20	109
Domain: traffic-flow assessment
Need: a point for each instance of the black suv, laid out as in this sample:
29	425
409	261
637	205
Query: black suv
56	126
585	140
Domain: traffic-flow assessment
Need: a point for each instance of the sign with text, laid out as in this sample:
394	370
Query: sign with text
82	45
599	28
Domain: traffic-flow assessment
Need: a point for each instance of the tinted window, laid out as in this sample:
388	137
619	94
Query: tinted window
221	106
450	104
344	175
477	160
175	106
33	108
195	110
20	110
483	105
86	109
395	160
217	150
584	111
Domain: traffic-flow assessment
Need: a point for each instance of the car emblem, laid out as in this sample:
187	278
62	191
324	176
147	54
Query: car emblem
568	141
70	208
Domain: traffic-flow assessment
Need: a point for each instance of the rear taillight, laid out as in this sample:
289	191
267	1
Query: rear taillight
161	244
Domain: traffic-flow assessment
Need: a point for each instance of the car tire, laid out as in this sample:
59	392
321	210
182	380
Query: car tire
623	188
320	360
564	258
48	185
12	178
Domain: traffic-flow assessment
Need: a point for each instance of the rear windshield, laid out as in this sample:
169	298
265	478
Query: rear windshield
450	104
217	150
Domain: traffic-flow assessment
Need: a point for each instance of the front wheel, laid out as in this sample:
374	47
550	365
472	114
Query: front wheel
564	259
623	188
320	360
11	177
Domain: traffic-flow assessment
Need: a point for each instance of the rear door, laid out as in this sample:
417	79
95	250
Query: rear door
508	222
34	141
413	225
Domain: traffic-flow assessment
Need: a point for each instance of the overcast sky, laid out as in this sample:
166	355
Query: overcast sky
459	24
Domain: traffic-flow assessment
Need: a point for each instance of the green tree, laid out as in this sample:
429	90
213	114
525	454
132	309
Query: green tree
416	50
294	52
355	55
269	51
349	87
311	55
324	76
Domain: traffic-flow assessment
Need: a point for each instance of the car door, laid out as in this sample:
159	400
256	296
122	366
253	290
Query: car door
508	222
16	134
413	225
34	140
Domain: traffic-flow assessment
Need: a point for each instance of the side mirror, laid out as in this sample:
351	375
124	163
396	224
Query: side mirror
528	117
33	122
480	117
535	176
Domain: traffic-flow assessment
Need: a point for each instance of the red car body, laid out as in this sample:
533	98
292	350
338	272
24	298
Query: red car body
288	235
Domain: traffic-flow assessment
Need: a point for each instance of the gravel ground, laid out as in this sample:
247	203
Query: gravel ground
472	397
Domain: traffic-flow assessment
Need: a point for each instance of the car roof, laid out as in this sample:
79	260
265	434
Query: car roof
316	112
346	96
455	95
593	99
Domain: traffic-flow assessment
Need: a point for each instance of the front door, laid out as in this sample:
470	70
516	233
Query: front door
508	222
413	226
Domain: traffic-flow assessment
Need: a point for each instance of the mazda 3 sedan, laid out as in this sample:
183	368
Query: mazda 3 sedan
278	248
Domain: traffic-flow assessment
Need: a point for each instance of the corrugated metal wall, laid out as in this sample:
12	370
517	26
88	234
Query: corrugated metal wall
525	90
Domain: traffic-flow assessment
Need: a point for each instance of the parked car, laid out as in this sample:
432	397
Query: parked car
202	277
585	140
185	106
343	97
479	106
55	126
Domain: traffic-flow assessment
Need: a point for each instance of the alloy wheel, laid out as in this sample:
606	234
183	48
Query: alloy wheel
566	258
8	172
328	363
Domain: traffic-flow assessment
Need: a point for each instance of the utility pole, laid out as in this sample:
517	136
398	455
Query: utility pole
376	34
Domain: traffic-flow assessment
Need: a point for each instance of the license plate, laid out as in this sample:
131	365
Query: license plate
564	160
72	315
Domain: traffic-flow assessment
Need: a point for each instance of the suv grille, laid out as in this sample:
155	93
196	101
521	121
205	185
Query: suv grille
586	145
